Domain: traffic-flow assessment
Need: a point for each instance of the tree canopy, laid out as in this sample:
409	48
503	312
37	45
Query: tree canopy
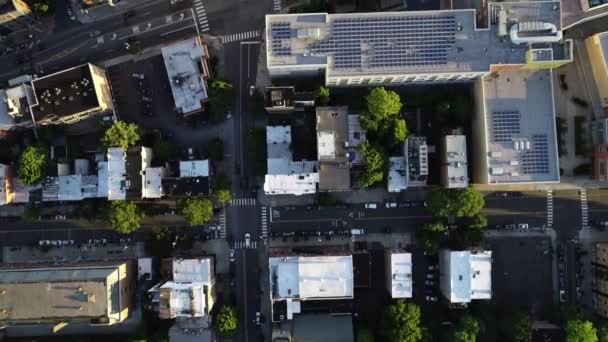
121	134
197	211
399	131
402	322
222	196
226	321
375	164
467	329
322	95
164	150
125	217
580	331
32	164
382	104
466	202
519	329
221	94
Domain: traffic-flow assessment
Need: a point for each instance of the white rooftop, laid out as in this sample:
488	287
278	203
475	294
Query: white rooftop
102	179
117	173
194	168
326	145
520	128
401	275
293	184
186	299
152	182
319	277
456	159
465	275
278	135
182	60
192	270
397	174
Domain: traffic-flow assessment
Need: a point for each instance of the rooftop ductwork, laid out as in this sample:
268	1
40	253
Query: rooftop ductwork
534	32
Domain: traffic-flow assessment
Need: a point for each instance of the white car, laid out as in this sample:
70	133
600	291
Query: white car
431	299
522	226
231	255
247	240
251	90
391	204
430	276
258	318
371	206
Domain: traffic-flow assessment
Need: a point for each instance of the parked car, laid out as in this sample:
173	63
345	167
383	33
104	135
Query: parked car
562	296
431	276
429	283
371	206
258	318
431	298
70	14
510	226
433	267
391	204
357	231
404	204
231	254
522	226
247	240
251	90
138	76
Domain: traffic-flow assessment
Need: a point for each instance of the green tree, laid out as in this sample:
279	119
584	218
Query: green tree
121	134
602	334
364	334
322	95
518	329
467	329
580	331
375	163
382	104
222	196
41	7
216	149
226	321
221	94
197	211
478	221
32	164
429	236
164	150
402	322
399	131
125	217
465	202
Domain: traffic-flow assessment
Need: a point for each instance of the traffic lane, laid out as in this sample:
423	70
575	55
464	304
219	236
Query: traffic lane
248	297
517	204
241	220
567	217
343	213
394	224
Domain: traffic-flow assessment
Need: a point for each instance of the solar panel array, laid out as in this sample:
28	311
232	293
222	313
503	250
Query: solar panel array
505	125
389	42
536	160
281	33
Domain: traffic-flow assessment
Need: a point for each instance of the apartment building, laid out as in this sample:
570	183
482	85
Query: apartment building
186	64
454	163
465	275
412	168
299	282
6	184
399	282
15	104
15	15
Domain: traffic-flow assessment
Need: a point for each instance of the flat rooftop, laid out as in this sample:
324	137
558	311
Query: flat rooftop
456	159
397	174
520	118
117	174
401	275
58	292
332	143
192	270
190	186
466	275
414	42
194	168
319	277
65	93
186	74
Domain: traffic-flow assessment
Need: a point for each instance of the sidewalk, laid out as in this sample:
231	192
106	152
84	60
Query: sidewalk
104	11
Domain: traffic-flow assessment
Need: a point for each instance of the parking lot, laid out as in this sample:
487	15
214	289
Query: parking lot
528	288
152	106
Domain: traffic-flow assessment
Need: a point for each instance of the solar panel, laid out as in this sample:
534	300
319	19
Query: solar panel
505	125
536	160
281	33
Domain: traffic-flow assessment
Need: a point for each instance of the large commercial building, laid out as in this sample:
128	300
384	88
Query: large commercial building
186	64
71	95
99	293
15	15
418	46
465	275
597	50
296	280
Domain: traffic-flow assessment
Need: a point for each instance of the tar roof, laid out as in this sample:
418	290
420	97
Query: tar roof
520	119
191	186
65	93
69	292
414	42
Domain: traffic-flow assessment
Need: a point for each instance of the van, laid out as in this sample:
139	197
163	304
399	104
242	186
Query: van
357	231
